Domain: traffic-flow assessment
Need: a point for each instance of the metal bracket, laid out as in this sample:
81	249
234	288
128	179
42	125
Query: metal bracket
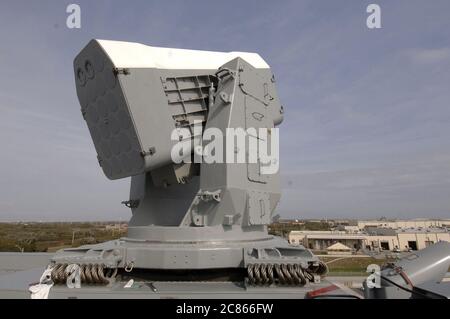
225	97
132	203
151	151
209	196
222	73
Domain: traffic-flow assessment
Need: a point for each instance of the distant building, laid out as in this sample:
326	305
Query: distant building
405	239
321	240
404	224
348	228
371	239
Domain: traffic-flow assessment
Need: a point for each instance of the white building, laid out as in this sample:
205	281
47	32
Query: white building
321	240
404	224
374	239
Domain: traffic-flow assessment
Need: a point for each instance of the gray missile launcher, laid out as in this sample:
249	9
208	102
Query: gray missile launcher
190	220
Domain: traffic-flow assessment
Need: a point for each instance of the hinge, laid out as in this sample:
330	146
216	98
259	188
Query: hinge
123	71
151	151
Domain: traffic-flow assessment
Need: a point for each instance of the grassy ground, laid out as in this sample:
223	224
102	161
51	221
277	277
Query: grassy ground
42	237
351	265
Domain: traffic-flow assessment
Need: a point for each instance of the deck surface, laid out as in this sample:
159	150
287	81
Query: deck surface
19	270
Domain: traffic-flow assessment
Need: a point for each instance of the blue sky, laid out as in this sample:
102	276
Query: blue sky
367	127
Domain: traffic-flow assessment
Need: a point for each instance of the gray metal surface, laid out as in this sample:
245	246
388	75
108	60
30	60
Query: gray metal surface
23	261
423	268
429	264
435	289
15	282
182	290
